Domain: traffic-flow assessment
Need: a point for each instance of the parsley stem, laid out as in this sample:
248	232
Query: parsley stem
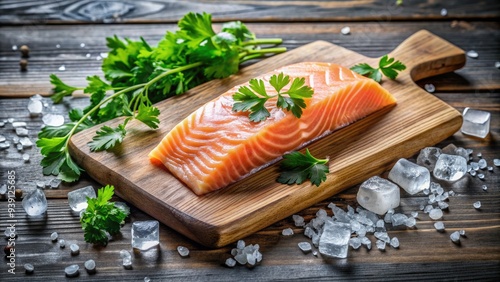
263	41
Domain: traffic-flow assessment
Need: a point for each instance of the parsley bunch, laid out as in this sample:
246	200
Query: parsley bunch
387	66
137	75
297	167
252	98
102	217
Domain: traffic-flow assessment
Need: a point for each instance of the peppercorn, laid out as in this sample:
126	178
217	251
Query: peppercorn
23	63
25	51
18	193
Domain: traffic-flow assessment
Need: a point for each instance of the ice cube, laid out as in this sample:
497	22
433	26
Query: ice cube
476	122
305	247
29	268
183	251
409	176
145	234
75	249
287	232
394	242
435	214
77	199
439	225
378	195
35	203
455	237
90	266
53	120
335	238
450	167
230	262
428	157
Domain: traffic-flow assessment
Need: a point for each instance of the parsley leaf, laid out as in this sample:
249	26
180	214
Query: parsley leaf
61	89
107	137
247	97
102	217
387	66
297	168
148	115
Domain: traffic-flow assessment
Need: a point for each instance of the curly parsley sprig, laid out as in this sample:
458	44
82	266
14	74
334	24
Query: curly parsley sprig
252	98
138	75
102	217
387	66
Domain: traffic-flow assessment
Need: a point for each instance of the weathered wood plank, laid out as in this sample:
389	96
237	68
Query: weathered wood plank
71	11
369	39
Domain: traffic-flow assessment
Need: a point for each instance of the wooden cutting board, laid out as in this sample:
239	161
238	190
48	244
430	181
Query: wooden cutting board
363	149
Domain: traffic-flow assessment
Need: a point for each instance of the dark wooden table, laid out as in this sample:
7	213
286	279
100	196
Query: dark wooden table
376	28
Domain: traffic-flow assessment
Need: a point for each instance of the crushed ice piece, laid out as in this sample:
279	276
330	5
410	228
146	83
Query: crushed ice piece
439	225
394	242
380	245
62	68
287	232
29	268
398	219
75	249
345	30
305	247
54	236
77	199
472	54
409	176
230	262
89	266
450	167
127	263
145	234
72	270
62	243
430	87
355	243
378	195
25	142
482	164
54	183
382	236
411	222
477	205
428	157
455	237
53	120
335	238
484	187
183	251
443	12
21	131
298	220
35	203
17	124
435	214
476	122
443	205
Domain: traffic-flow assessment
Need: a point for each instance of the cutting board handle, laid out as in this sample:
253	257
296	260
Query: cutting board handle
426	54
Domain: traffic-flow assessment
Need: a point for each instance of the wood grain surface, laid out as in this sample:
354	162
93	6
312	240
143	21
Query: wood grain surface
424	254
257	201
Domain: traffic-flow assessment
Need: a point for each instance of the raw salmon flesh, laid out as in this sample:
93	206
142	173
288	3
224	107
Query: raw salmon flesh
215	146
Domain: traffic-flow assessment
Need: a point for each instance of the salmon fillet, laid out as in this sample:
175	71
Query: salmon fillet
215	146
